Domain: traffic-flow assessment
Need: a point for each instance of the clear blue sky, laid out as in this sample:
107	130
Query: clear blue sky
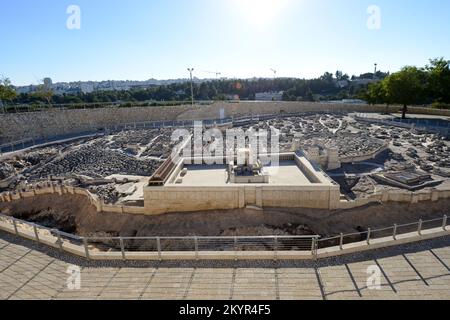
142	39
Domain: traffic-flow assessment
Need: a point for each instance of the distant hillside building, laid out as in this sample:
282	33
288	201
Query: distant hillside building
87	87
48	82
342	84
269	96
363	82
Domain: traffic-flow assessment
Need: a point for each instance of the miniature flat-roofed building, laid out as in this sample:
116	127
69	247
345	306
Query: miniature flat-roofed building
247	170
290	180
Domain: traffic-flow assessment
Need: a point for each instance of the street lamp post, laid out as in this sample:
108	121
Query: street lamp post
192	85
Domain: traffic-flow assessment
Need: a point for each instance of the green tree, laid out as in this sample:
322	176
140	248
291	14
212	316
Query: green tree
327	77
438	85
309	95
341	76
375	93
7	92
405	87
45	93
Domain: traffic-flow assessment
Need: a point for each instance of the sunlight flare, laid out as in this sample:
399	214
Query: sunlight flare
260	13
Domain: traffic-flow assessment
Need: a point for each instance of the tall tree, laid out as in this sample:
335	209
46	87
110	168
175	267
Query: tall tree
44	92
438	85
405	87
375	93
328	77
7	92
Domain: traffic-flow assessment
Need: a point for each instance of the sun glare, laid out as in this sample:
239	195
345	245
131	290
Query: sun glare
260	13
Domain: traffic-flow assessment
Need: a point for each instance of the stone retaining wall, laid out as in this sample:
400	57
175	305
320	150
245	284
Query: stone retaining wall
58	189
398	196
185	199
53	123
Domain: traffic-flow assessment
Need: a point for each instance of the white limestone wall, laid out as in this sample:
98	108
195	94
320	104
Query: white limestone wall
15	127
160	200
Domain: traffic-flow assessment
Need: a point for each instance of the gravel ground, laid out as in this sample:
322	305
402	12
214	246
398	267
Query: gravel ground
94	160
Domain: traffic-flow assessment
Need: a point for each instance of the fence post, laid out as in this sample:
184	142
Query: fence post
369	233
158	246
235	248
86	248
60	243
15	226
36	233
276	248
395	232
419	230
314	248
444	223
122	249
341	242
196	247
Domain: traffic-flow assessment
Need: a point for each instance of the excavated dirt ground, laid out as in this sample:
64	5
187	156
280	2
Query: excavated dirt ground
73	213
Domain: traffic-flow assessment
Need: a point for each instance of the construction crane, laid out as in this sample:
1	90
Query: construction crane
274	73
217	73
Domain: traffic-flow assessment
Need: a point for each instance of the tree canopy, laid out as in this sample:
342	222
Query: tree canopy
7	91
438	85
45	93
413	86
322	88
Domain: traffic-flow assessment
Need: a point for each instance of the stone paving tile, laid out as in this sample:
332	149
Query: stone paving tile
337	283
93	281
11	254
295	284
128	283
420	275
252	284
399	271
169	284
405	279
359	273
3	243
428	265
434	271
45	284
21	272
443	255
211	284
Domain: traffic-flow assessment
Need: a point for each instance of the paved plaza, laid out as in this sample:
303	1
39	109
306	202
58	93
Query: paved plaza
418	271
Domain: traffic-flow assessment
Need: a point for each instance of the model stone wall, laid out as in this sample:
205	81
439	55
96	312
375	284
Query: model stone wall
15	127
313	197
191	199
52	123
159	201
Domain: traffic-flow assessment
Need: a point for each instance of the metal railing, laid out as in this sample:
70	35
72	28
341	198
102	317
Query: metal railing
372	234
196	245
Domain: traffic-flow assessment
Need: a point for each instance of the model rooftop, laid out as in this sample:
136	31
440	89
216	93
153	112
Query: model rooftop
292	170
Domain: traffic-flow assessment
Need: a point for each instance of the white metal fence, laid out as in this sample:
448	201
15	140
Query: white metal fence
196	245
